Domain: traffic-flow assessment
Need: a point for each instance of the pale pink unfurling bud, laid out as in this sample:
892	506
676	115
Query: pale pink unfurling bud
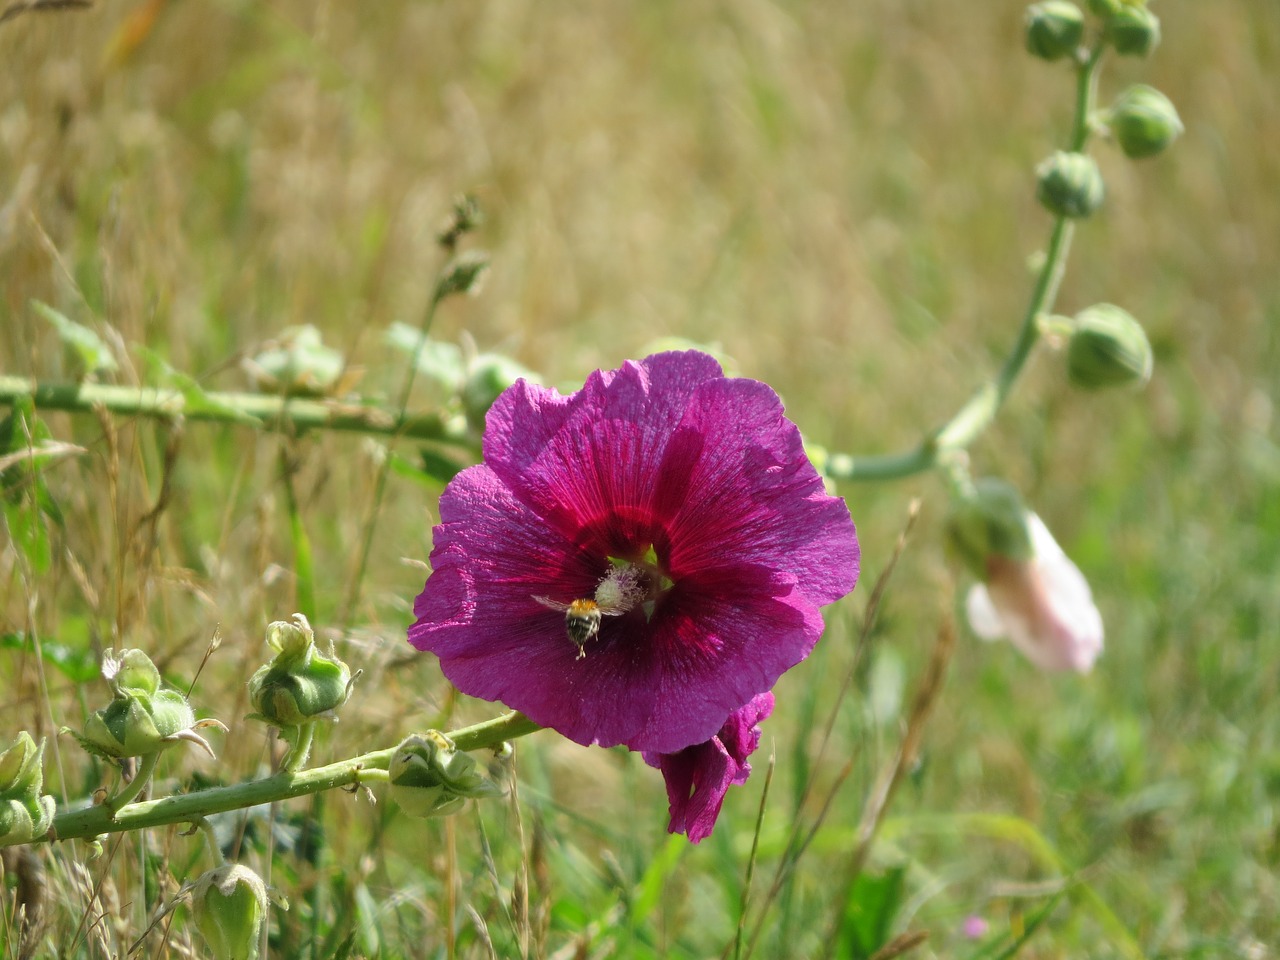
1043	605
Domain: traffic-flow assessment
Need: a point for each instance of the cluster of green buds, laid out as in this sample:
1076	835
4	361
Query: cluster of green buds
1142	121
300	686
430	777
26	813
230	903
143	717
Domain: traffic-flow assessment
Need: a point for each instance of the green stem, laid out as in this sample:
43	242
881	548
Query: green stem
146	768
981	409
96	820
262	410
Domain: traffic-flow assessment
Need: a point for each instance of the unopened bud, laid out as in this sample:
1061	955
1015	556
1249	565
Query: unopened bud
1108	349
990	521
297	363
1070	184
488	375
143	717
1134	31
463	274
300	684
230	903
1143	121
430	777
1053	29
25	812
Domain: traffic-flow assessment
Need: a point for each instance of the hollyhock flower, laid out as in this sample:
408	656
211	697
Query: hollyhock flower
699	776
1042	604
634	562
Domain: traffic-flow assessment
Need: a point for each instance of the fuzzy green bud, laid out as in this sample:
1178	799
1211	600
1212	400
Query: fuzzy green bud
990	520
25	812
1143	121
1070	184
1108	348
488	375
430	777
230	903
143	717
297	363
300	684
1053	29
1134	31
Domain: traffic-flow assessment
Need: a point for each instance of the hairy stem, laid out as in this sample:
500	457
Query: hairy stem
266	411
94	821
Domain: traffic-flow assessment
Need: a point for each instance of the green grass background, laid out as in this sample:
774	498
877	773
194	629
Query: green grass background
840	196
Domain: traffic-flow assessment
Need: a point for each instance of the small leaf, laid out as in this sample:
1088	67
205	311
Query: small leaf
92	351
194	396
869	914
437	360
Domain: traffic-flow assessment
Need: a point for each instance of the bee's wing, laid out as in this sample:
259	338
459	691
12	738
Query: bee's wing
552	604
612	611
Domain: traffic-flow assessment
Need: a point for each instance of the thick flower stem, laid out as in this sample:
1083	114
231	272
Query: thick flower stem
981	409
267	411
94	821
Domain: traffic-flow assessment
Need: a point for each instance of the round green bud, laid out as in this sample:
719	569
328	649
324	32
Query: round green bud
1109	348
990	521
300	684
134	726
230	903
1134	31
1070	184
488	375
1053	29
1143	121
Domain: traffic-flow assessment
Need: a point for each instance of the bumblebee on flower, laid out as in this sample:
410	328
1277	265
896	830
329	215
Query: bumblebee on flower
670	516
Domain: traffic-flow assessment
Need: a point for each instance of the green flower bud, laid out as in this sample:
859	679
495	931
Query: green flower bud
1070	184
488	375
430	778
1143	121
25	812
300	684
142	717
230	903
1105	9
1134	31
990	520
1053	29
1108	348
463	274
298	364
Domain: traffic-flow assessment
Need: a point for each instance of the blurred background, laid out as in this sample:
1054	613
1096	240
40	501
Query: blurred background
840	198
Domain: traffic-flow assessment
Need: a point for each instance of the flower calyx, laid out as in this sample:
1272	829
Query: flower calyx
300	684
26	812
230	903
988	520
1108	348
430	777
143	717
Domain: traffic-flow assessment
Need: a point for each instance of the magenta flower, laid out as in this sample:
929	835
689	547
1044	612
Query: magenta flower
634	562
699	776
1043	605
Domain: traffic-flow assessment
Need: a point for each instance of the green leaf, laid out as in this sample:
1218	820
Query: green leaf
869	914
438	361
194	396
76	664
89	347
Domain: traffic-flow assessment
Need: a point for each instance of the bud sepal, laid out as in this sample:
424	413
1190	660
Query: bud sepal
430	777
300	684
230	903
26	812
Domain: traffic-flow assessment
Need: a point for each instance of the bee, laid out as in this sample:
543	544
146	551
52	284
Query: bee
581	619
